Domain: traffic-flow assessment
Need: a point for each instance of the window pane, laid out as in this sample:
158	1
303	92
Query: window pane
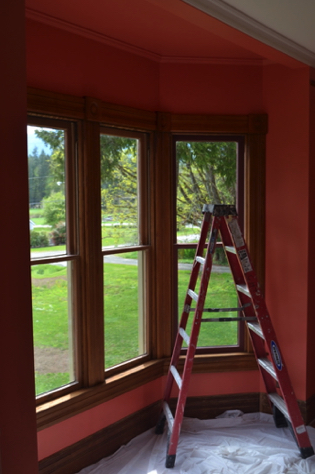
206	174
119	191
124	307
47	190
52	326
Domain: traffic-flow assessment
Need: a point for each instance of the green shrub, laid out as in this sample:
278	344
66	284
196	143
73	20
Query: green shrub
38	239
58	235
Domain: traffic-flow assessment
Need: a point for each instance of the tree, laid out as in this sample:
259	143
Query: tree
54	209
206	173
38	172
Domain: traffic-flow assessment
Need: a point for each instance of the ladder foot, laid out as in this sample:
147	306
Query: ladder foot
160	425
170	460
306	452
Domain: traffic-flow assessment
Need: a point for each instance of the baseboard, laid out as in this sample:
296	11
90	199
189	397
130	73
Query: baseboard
106	441
307	408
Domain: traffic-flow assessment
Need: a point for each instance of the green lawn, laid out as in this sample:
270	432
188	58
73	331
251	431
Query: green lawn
51	325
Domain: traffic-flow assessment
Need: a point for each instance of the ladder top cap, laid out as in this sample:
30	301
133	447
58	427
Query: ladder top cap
220	209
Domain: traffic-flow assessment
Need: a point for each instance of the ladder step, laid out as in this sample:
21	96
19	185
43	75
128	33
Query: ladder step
230	249
176	376
200	260
193	295
267	365
243	289
280	404
255	327
168	415
184	335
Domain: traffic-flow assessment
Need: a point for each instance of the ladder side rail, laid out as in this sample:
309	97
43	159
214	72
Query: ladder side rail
269	334
179	413
187	304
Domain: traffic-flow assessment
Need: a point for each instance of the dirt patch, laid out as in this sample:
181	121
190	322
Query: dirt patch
49	360
47	282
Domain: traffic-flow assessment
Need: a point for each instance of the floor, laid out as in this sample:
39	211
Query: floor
233	443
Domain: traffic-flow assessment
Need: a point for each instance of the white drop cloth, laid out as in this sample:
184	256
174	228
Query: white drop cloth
231	444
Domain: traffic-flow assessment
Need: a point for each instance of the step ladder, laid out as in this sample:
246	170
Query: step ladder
222	219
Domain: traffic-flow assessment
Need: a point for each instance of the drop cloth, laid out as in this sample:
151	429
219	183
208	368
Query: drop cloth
234	443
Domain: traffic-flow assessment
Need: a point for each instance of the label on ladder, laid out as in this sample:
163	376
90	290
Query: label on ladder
237	234
245	261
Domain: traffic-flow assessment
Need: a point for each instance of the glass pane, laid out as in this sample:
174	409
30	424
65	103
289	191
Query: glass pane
52	326
206	174
119	191
221	294
47	206
124	307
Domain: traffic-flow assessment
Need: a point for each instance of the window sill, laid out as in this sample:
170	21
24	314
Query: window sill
76	402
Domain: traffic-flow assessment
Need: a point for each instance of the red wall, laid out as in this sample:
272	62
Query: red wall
287	189
18	450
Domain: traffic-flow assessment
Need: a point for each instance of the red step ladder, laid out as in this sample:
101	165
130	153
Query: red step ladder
223	219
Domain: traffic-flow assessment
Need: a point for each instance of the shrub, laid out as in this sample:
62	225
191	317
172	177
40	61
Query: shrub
58	235
38	239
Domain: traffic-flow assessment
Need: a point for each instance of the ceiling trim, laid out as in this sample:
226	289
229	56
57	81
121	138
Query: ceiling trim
242	22
101	38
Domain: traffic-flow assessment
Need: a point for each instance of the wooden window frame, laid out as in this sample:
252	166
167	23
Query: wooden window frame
90	114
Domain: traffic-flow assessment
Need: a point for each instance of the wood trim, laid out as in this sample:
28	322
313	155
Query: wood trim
229	124
210	407
54	104
128	117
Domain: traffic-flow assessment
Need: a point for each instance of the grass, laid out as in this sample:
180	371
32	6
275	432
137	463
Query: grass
51	322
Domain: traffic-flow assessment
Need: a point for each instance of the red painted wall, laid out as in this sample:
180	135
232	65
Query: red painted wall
18	450
211	88
287	211
62	62
311	250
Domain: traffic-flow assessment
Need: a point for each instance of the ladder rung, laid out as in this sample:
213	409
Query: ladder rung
267	365
168	415
280	404
184	335
193	295
176	376
230	249
228	320
243	289
255	327
200	260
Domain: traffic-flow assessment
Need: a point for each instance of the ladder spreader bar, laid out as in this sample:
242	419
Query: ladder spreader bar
176	376
193	295
280	404
184	335
255	327
267	365
243	289
223	320
223	310
168	415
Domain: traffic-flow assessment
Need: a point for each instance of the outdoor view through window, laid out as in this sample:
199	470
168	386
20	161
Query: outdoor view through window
50	265
206	174
123	188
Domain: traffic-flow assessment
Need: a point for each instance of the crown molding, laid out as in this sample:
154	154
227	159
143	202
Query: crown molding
242	22
101	38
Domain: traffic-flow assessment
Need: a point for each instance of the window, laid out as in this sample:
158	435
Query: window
124	202
101	324
209	170
53	238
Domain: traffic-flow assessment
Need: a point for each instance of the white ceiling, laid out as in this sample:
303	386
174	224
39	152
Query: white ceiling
287	25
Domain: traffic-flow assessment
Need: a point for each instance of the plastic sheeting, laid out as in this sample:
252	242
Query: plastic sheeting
233	443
